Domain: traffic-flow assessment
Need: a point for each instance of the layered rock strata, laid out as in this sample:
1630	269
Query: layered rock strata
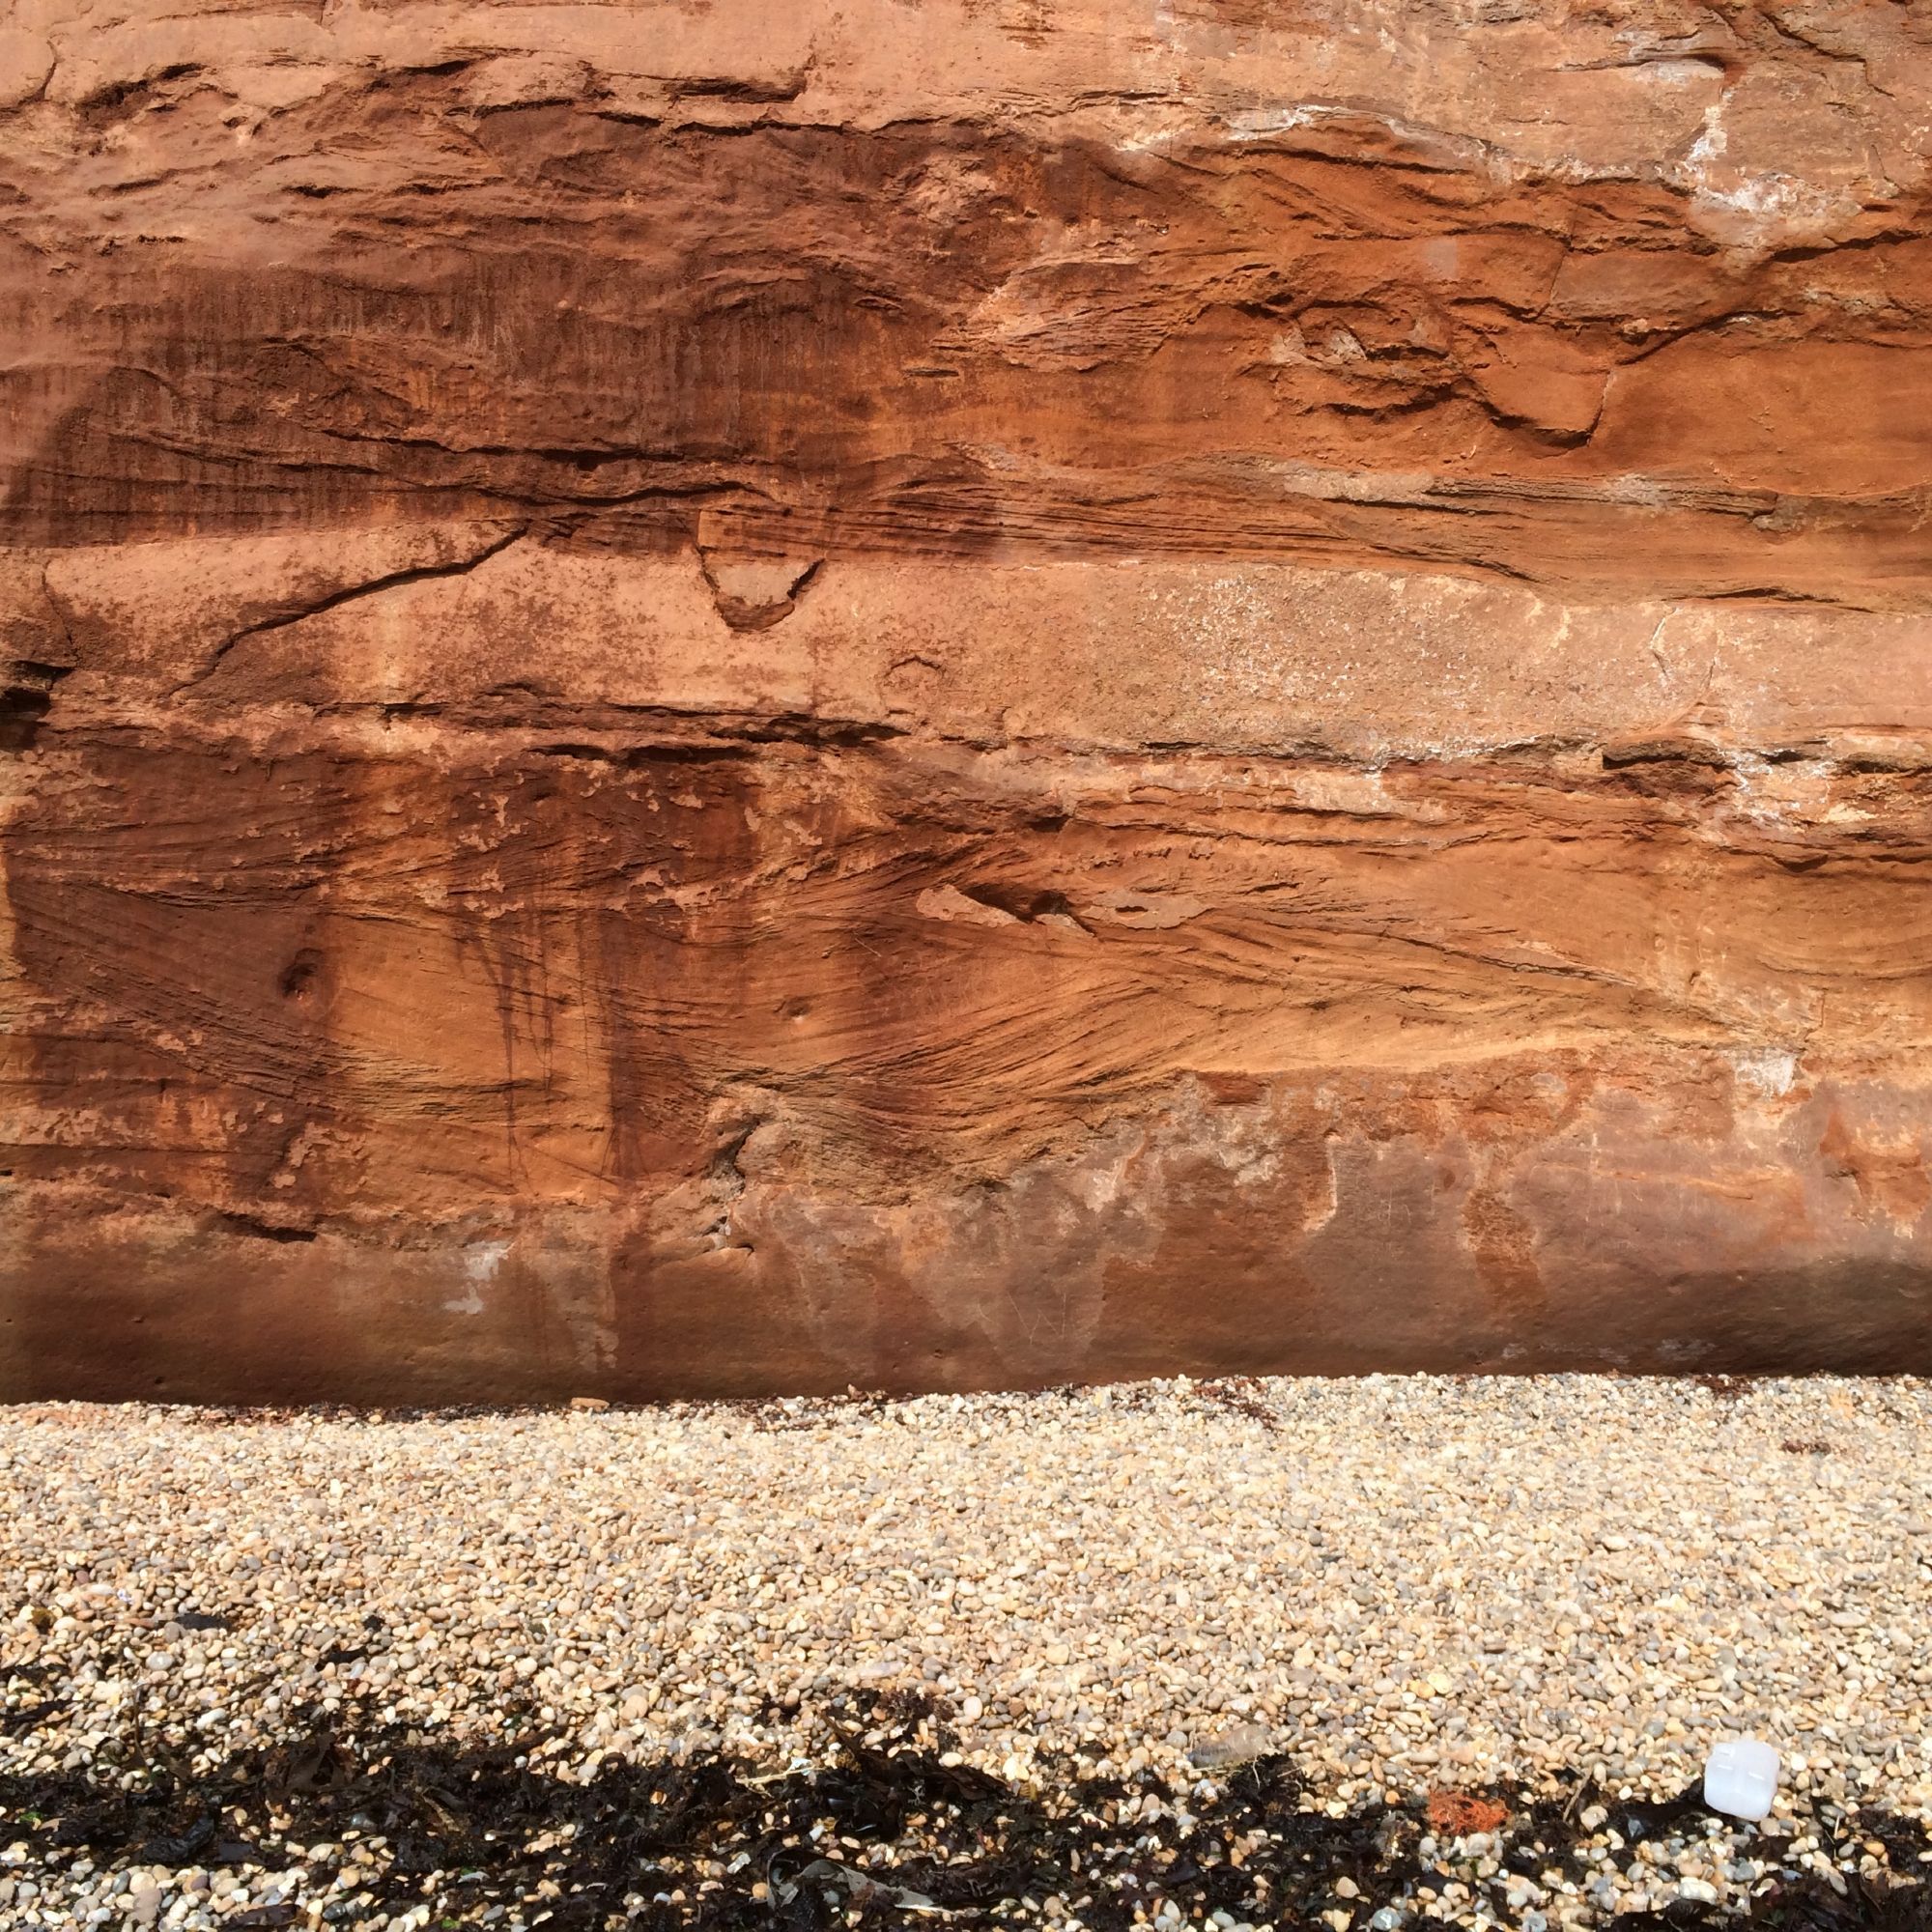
741	698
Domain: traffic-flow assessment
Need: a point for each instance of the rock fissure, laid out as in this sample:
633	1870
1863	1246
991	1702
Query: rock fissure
422	572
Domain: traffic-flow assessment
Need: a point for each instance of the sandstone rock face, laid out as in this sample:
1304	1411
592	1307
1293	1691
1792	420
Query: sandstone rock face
928	692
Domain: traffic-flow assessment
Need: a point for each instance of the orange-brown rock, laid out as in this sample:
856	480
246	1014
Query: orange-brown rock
943	692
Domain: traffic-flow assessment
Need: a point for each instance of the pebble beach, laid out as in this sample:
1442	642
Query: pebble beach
1565	1589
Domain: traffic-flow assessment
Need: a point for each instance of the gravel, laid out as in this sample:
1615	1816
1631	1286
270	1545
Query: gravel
1567	1587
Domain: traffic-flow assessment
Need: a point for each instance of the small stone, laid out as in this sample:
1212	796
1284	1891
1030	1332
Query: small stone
1237	1745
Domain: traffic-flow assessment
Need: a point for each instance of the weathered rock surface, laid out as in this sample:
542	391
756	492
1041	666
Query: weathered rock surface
706	699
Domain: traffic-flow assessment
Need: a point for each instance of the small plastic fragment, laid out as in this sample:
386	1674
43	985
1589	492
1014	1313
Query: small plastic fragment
1741	1777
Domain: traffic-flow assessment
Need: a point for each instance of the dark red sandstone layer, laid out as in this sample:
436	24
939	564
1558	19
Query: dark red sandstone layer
724	699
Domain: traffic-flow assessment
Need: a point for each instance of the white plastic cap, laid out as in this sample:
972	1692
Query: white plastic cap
1741	1778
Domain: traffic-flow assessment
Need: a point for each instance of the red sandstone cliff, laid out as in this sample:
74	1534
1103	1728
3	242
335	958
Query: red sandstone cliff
716	697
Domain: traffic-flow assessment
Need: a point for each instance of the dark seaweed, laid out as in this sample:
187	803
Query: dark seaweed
878	1828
